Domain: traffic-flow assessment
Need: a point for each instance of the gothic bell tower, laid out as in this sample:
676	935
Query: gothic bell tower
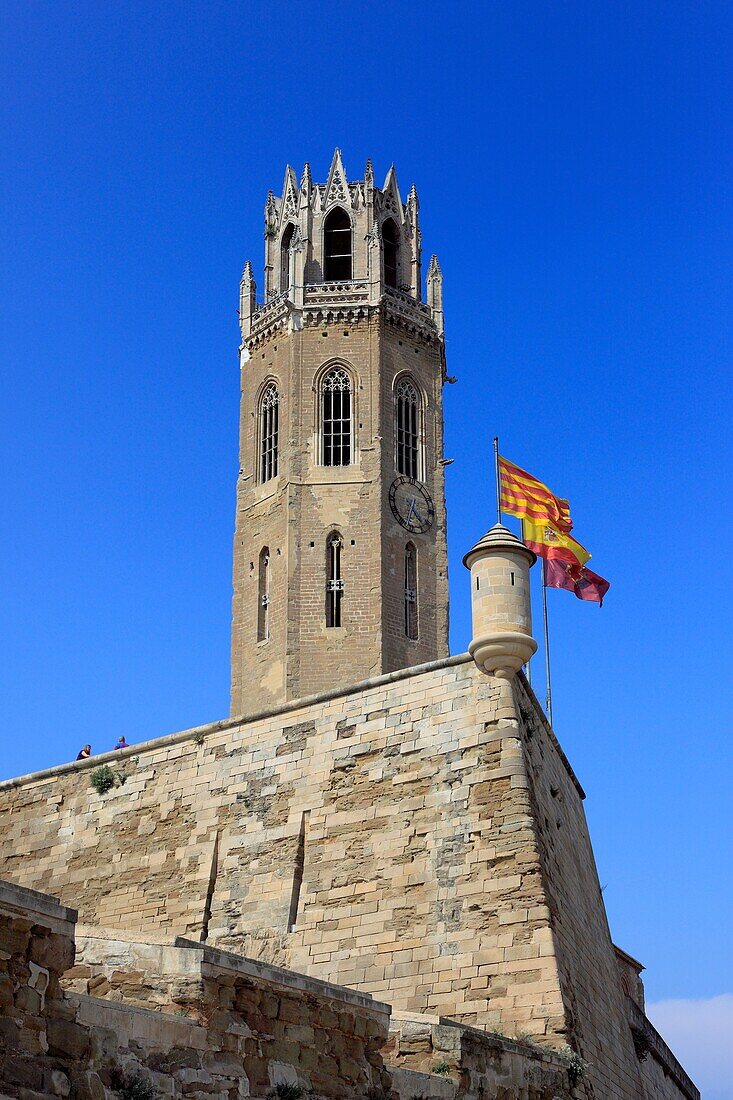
340	567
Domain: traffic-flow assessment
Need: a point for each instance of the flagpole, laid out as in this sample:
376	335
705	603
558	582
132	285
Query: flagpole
547	644
528	665
498	479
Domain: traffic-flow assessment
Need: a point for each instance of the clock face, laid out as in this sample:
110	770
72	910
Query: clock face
411	504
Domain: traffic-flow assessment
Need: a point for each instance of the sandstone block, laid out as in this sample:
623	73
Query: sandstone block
53	952
219	1062
66	1037
28	1000
58	1083
21	1072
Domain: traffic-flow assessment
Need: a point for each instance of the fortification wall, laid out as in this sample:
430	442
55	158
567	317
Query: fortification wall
380	839
596	1006
250	1026
241	1029
420	838
592	994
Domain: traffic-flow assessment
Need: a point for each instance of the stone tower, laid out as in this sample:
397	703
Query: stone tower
340	567
501	608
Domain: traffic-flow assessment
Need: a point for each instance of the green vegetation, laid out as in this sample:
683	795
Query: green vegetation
287	1090
576	1067
103	779
132	1086
641	1043
378	1094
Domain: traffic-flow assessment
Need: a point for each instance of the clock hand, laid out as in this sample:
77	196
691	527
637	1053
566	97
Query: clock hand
410	510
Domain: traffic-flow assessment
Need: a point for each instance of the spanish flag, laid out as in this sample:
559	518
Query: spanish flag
549	542
546	527
524	496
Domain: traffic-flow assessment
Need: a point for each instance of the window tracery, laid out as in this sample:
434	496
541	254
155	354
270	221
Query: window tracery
336	418
269	430
263	596
334	581
408	428
411	591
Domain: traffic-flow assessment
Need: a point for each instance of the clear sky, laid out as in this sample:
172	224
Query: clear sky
573	164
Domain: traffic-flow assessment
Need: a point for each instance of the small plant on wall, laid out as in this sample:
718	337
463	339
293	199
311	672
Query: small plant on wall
576	1067
132	1086
104	779
287	1090
641	1043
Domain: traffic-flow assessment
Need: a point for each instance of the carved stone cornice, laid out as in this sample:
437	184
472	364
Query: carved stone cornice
337	302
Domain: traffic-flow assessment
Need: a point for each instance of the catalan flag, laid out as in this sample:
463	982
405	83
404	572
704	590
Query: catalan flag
546	526
524	496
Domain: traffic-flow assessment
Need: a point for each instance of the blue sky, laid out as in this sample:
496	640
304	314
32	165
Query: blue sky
573	165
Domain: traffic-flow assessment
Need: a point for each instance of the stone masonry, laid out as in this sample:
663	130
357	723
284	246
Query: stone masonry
214	1026
378	334
377	822
420	838
240	1028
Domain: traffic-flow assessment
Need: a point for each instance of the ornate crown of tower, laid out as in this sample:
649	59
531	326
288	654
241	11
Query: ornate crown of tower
340	568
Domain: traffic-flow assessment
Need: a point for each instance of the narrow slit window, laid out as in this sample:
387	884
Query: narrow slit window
390	244
285	257
263	596
336	418
334	581
337	246
411	591
269	427
407	429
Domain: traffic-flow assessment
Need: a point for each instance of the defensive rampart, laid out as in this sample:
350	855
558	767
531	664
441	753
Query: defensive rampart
225	1028
419	837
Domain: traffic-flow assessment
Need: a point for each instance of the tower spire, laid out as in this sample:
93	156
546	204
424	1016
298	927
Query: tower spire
247	297
435	293
337	187
306	182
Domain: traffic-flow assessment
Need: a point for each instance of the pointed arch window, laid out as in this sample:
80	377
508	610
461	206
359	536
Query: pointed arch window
334	581
390	244
263	596
408	429
411	591
336	418
337	245
269	430
285	243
